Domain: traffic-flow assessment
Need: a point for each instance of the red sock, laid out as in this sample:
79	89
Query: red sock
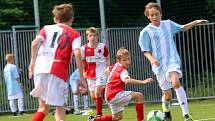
139	110
104	118
99	106
38	116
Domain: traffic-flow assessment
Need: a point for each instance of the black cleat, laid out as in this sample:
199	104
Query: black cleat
167	116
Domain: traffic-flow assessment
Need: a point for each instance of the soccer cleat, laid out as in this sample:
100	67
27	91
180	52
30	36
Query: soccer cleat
77	112
91	118
187	117
167	116
14	113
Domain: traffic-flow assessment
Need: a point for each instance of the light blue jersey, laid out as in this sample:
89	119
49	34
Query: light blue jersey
160	43
74	78
11	76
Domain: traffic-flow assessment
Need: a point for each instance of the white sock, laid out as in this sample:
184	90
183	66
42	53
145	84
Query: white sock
165	105
182	99
12	105
85	98
75	100
20	105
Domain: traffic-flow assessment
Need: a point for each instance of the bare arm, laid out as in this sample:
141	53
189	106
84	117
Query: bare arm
151	58
107	60
34	48
193	23
135	81
79	63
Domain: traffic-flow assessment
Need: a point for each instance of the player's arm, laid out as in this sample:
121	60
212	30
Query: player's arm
135	81
107	72
34	48
151	58
78	59
193	23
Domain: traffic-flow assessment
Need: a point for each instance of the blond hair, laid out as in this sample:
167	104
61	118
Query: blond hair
9	56
151	5
63	12
91	30
122	52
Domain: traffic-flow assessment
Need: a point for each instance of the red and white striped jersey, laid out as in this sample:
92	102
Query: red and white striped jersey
54	54
116	81
94	60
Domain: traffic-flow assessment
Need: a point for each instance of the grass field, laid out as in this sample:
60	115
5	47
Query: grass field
201	110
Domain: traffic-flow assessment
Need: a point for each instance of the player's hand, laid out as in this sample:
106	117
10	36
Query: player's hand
83	83
156	63
31	71
202	21
148	80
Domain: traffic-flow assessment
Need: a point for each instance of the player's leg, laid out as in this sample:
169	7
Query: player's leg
99	100
166	87
21	105
180	93
100	82
13	106
139	104
84	92
42	111
166	99
60	113
74	87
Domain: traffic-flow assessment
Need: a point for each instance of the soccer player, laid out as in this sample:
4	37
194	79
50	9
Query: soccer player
157	43
76	88
51	52
96	57
115	95
14	91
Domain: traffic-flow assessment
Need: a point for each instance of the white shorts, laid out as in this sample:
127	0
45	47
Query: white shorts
51	89
92	83
119	101
16	96
164	77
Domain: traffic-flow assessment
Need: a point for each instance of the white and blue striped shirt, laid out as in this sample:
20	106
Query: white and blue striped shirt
160	43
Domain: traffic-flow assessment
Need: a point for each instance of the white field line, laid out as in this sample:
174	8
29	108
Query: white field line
207	119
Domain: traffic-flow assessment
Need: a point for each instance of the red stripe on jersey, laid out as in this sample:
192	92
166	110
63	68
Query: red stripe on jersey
63	53
115	84
106	53
43	33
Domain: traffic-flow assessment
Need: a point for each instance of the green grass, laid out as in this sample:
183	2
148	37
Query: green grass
201	109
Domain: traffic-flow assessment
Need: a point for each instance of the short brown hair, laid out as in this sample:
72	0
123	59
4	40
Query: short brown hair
151	5
122	52
9	56
91	30
63	12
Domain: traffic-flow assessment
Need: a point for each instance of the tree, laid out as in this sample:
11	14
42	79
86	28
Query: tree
13	12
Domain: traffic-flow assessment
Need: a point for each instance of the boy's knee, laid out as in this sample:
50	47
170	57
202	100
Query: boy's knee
168	96
117	117
44	109
140	96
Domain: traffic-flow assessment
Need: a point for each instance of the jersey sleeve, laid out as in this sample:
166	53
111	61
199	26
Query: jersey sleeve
144	41
76	43
124	75
83	52
106	52
42	34
175	27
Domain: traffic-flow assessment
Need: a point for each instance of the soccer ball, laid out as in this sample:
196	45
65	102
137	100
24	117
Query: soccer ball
155	115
